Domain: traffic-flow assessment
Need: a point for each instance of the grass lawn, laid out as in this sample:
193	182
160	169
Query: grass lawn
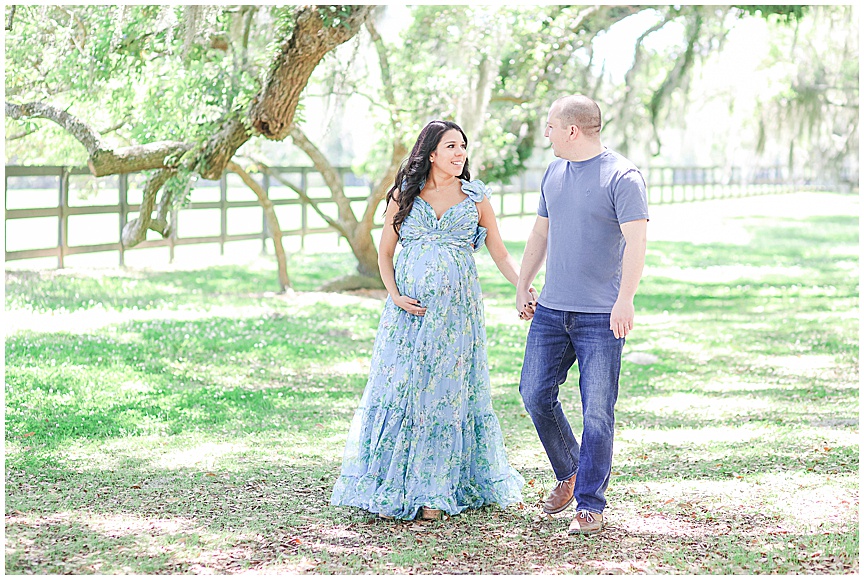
188	421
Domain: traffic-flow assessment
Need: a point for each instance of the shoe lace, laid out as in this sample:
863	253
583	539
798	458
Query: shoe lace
560	483
585	515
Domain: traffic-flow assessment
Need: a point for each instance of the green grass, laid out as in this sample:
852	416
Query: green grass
190	421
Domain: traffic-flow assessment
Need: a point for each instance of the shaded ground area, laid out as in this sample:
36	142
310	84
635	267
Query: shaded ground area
187	422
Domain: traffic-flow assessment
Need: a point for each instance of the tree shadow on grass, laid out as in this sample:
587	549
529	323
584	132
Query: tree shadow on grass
276	517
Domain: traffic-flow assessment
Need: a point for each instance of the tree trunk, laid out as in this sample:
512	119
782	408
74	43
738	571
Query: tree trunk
364	250
474	104
358	233
272	224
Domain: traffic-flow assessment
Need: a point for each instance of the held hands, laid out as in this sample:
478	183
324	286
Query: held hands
409	305
621	319
526	303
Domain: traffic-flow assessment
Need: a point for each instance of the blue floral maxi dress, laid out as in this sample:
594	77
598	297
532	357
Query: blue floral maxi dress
425	433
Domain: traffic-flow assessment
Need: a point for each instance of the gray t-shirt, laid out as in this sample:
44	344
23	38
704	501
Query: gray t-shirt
586	202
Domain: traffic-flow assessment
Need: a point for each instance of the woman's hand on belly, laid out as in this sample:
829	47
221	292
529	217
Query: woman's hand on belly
409	305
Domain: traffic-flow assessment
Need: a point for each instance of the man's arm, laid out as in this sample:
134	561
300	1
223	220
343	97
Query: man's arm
635	236
532	260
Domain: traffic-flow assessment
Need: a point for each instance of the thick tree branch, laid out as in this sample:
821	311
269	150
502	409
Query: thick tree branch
399	150
219	148
272	111
102	161
331	177
160	223
136	158
272	222
135	231
86	135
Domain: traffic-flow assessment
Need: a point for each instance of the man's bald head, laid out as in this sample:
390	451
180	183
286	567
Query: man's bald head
581	111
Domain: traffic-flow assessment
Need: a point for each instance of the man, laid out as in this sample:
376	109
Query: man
591	232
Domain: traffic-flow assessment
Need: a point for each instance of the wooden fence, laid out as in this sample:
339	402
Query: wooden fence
666	185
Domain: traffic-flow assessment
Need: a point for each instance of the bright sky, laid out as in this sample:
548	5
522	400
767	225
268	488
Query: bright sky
617	45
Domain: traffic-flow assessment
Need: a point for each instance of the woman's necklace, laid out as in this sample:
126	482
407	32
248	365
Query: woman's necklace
438	188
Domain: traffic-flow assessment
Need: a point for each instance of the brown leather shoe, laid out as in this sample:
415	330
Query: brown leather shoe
586	523
561	496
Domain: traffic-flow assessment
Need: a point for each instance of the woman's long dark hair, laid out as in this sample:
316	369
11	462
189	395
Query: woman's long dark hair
415	169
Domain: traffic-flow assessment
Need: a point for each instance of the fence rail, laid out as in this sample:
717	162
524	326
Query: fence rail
666	185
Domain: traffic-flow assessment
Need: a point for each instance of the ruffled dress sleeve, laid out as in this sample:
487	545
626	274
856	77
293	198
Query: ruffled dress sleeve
477	190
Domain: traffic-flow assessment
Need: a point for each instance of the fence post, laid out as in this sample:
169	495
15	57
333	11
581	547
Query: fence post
303	217
265	183
223	212
671	184
63	226
522	185
123	190
172	239
690	189
341	172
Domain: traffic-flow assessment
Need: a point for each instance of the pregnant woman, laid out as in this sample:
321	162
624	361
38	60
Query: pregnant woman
424	439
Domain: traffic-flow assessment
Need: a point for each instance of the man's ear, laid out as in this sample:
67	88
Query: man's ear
574	132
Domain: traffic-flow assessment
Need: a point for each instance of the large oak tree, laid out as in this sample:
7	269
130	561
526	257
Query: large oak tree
164	69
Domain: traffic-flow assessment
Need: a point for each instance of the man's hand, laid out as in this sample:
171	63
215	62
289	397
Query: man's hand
621	319
526	303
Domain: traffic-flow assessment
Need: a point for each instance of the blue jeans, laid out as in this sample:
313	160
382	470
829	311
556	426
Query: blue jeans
556	340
